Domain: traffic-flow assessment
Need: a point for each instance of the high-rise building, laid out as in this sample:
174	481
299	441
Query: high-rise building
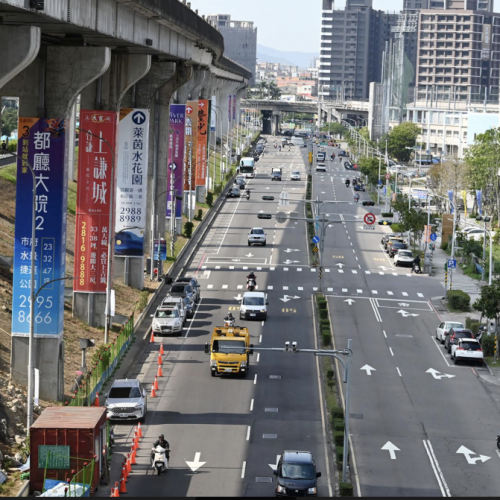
240	40
352	42
459	51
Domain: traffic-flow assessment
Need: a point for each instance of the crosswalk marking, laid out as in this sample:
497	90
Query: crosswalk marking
240	287
359	290
210	286
270	287
405	294
224	287
344	290
389	293
354	271
285	288
374	292
420	295
367	272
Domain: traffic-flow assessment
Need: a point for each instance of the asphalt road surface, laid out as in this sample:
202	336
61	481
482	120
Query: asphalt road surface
235	428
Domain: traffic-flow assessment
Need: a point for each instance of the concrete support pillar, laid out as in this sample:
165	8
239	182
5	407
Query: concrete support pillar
192	89
123	71
20	46
69	70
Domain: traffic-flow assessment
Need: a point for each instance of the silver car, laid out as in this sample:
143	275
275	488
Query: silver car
176	302
167	319
126	400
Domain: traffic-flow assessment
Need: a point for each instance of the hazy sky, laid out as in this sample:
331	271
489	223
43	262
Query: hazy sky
282	24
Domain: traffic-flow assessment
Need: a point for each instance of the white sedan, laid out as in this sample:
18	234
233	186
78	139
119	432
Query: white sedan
445	327
320	167
469	349
295	176
403	258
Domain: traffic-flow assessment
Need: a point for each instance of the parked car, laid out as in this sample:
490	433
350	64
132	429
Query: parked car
176	302
257	236
395	247
194	283
454	334
391	240
167	319
296	475
234	192
403	258
446	326
184	290
467	349
126	400
320	167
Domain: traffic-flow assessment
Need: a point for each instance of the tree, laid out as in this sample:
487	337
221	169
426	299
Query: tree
274	91
338	129
401	137
489	305
9	121
411	220
369	166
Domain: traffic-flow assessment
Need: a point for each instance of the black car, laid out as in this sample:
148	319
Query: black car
234	192
184	290
456	333
348	166
395	247
296	475
194	283
288	133
190	306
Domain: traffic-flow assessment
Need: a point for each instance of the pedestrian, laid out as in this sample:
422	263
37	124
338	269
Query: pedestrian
4	147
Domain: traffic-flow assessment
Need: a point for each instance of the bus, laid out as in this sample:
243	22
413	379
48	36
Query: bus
247	168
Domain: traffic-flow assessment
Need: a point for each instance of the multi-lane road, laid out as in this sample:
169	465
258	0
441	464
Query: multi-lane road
407	423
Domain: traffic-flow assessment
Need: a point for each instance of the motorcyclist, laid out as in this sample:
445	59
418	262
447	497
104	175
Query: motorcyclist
416	263
252	276
165	445
356	197
229	318
347	182
247	193
332	157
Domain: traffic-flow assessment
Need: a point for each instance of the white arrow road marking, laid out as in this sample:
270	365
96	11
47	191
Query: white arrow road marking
249	255
291	262
434	373
340	265
194	466
289	250
238	298
391	448
467	453
275	466
350	301
287	298
406	314
368	369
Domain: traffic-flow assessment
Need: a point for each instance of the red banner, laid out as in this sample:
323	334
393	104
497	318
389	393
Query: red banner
191	151
95	175
201	154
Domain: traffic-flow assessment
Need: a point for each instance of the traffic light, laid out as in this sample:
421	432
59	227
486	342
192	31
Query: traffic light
37	4
268	198
264	216
484	218
368	203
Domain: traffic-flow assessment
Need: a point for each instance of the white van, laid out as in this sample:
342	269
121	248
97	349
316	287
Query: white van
297	141
247	168
254	306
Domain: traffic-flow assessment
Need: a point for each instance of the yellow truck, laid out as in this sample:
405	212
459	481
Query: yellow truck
229	350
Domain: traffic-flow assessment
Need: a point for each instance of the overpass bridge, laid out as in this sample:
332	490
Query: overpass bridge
330	111
112	54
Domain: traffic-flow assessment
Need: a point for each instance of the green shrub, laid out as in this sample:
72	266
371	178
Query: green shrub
323	314
199	215
338	424
488	345
188	229
444	245
327	337
472	324
346	489
218	189
210	199
339	453
143	300
337	412
12	146
330	374
338	438
397	228
324	323
387	214
458	300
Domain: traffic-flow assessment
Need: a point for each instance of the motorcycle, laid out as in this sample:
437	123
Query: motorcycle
247	193
354	182
161	456
251	284
359	187
347	183
229	322
416	269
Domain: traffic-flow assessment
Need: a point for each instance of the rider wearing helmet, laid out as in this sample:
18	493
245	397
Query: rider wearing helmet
356	197
252	276
229	317
165	445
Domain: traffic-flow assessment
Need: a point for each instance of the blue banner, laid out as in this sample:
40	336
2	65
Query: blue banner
450	196
479	196
41	145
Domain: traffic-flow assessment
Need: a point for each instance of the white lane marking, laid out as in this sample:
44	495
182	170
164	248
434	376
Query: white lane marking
367	272
299	269
395	274
300	288
398	371
270	287
243	468
210	286
285	288
248	433
204	267
229	225
224	287
262	322
240	287
341	271
315	288
272	269
374	292
376	311
389	292
438	344
445	491
344	290
258	359
330	289
359	290
231	267
405	294
354	271
255	379
351	243
260	339
390	349
251	405
194	316
327	270
421	295
385	334
217	267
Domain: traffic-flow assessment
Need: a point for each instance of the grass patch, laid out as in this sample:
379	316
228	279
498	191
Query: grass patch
9	173
491	362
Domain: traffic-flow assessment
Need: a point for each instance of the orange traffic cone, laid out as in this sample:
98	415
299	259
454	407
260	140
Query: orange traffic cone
112	492
160	361
153	392
123	488
117	492
139	430
124	472
152	339
155	383
160	373
128	464
133	461
161	349
96	402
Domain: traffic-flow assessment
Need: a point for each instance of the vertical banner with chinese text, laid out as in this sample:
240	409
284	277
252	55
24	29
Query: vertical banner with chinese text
201	155
175	177
234	107
132	182
191	139
230	110
41	144
213	114
95	176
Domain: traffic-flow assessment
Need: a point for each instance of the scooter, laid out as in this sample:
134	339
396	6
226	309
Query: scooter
247	193
161	456
229	322
359	187
251	284
347	183
354	182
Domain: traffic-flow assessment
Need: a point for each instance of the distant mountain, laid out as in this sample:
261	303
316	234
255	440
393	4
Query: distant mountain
300	59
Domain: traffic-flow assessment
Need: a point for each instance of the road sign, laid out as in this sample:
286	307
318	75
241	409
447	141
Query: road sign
369	219
452	263
315	249
434	237
380	182
315	239
387	176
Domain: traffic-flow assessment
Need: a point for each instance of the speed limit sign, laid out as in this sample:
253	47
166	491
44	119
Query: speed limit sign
387	176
